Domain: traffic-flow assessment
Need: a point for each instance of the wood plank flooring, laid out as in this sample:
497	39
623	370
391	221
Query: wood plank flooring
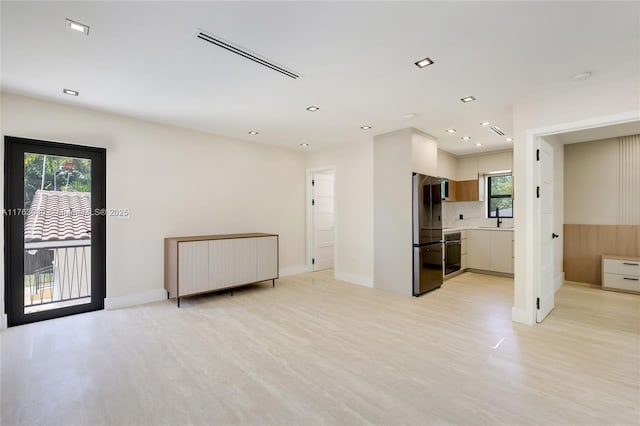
316	351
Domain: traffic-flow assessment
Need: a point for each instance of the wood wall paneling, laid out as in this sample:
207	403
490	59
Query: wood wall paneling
585	244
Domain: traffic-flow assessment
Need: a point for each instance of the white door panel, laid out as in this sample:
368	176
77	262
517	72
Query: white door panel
323	221
546	290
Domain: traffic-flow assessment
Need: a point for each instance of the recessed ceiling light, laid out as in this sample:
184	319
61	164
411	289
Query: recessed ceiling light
423	63
465	138
509	140
77	26
450	130
477	144
485	123
253	132
304	144
70	92
581	76
312	108
365	127
468	99
410	115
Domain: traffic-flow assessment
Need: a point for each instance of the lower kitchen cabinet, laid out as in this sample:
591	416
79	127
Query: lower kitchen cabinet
464	251
479	251
490	250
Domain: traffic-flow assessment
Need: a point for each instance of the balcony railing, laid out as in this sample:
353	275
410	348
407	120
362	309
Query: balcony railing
57	275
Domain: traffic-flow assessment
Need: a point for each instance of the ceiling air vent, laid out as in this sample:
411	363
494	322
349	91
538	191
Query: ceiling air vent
497	130
245	54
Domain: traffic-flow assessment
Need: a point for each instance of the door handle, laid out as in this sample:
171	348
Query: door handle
554	235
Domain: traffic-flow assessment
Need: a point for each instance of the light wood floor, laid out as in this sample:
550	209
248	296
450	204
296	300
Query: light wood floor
318	351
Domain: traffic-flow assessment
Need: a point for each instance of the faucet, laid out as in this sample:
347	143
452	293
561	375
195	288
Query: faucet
498	220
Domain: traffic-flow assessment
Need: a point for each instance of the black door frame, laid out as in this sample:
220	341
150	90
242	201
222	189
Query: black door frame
14	150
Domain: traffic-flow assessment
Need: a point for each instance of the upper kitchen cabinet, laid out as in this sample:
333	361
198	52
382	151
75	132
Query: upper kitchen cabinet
424	154
467	190
447	165
495	162
468	168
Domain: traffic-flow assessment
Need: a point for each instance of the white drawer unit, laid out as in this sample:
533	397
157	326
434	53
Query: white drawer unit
621	273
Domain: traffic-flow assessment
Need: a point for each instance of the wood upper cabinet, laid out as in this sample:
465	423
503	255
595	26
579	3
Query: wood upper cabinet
466	190
453	190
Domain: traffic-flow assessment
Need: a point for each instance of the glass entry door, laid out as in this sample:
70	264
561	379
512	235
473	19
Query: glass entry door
55	229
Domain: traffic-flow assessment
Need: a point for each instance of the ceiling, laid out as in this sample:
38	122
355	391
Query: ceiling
599	133
356	61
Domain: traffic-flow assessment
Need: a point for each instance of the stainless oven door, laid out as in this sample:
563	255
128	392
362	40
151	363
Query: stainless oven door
452	256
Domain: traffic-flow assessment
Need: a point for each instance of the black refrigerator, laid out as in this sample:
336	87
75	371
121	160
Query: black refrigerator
427	234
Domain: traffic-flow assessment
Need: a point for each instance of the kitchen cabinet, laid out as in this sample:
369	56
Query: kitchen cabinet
479	250
467	168
490	250
464	247
195	265
466	190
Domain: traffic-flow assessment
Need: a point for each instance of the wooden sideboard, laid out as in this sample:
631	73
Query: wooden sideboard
202	264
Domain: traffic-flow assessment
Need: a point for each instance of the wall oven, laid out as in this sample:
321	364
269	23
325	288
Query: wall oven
452	248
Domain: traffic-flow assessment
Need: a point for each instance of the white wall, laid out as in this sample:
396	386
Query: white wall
591	182
589	103
392	183
175	182
353	208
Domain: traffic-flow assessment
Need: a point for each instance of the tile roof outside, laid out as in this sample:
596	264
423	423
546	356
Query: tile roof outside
58	216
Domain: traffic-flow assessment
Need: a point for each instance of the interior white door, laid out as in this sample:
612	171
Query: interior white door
546	290
323	220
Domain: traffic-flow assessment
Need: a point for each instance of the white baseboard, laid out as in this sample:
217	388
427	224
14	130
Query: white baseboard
118	302
293	270
3	322
521	316
355	279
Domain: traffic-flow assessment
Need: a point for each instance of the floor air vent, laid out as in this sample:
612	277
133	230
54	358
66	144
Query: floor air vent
238	51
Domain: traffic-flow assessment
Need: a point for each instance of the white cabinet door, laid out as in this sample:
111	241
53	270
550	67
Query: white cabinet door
221	265
501	252
267	258
244	260
193	267
479	249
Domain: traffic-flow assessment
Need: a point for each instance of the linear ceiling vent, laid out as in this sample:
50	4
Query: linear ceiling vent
497	130
245	54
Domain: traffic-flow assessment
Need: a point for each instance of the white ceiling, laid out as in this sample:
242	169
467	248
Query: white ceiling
598	133
356	61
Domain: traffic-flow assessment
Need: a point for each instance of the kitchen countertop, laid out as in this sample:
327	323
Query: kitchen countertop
447	230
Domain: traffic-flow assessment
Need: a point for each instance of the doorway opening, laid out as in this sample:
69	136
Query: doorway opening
539	275
321	224
54	230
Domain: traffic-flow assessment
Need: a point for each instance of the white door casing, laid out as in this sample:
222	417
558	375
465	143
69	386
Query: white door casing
545	299
323	220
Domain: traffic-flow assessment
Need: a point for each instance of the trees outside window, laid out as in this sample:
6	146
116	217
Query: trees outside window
500	190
